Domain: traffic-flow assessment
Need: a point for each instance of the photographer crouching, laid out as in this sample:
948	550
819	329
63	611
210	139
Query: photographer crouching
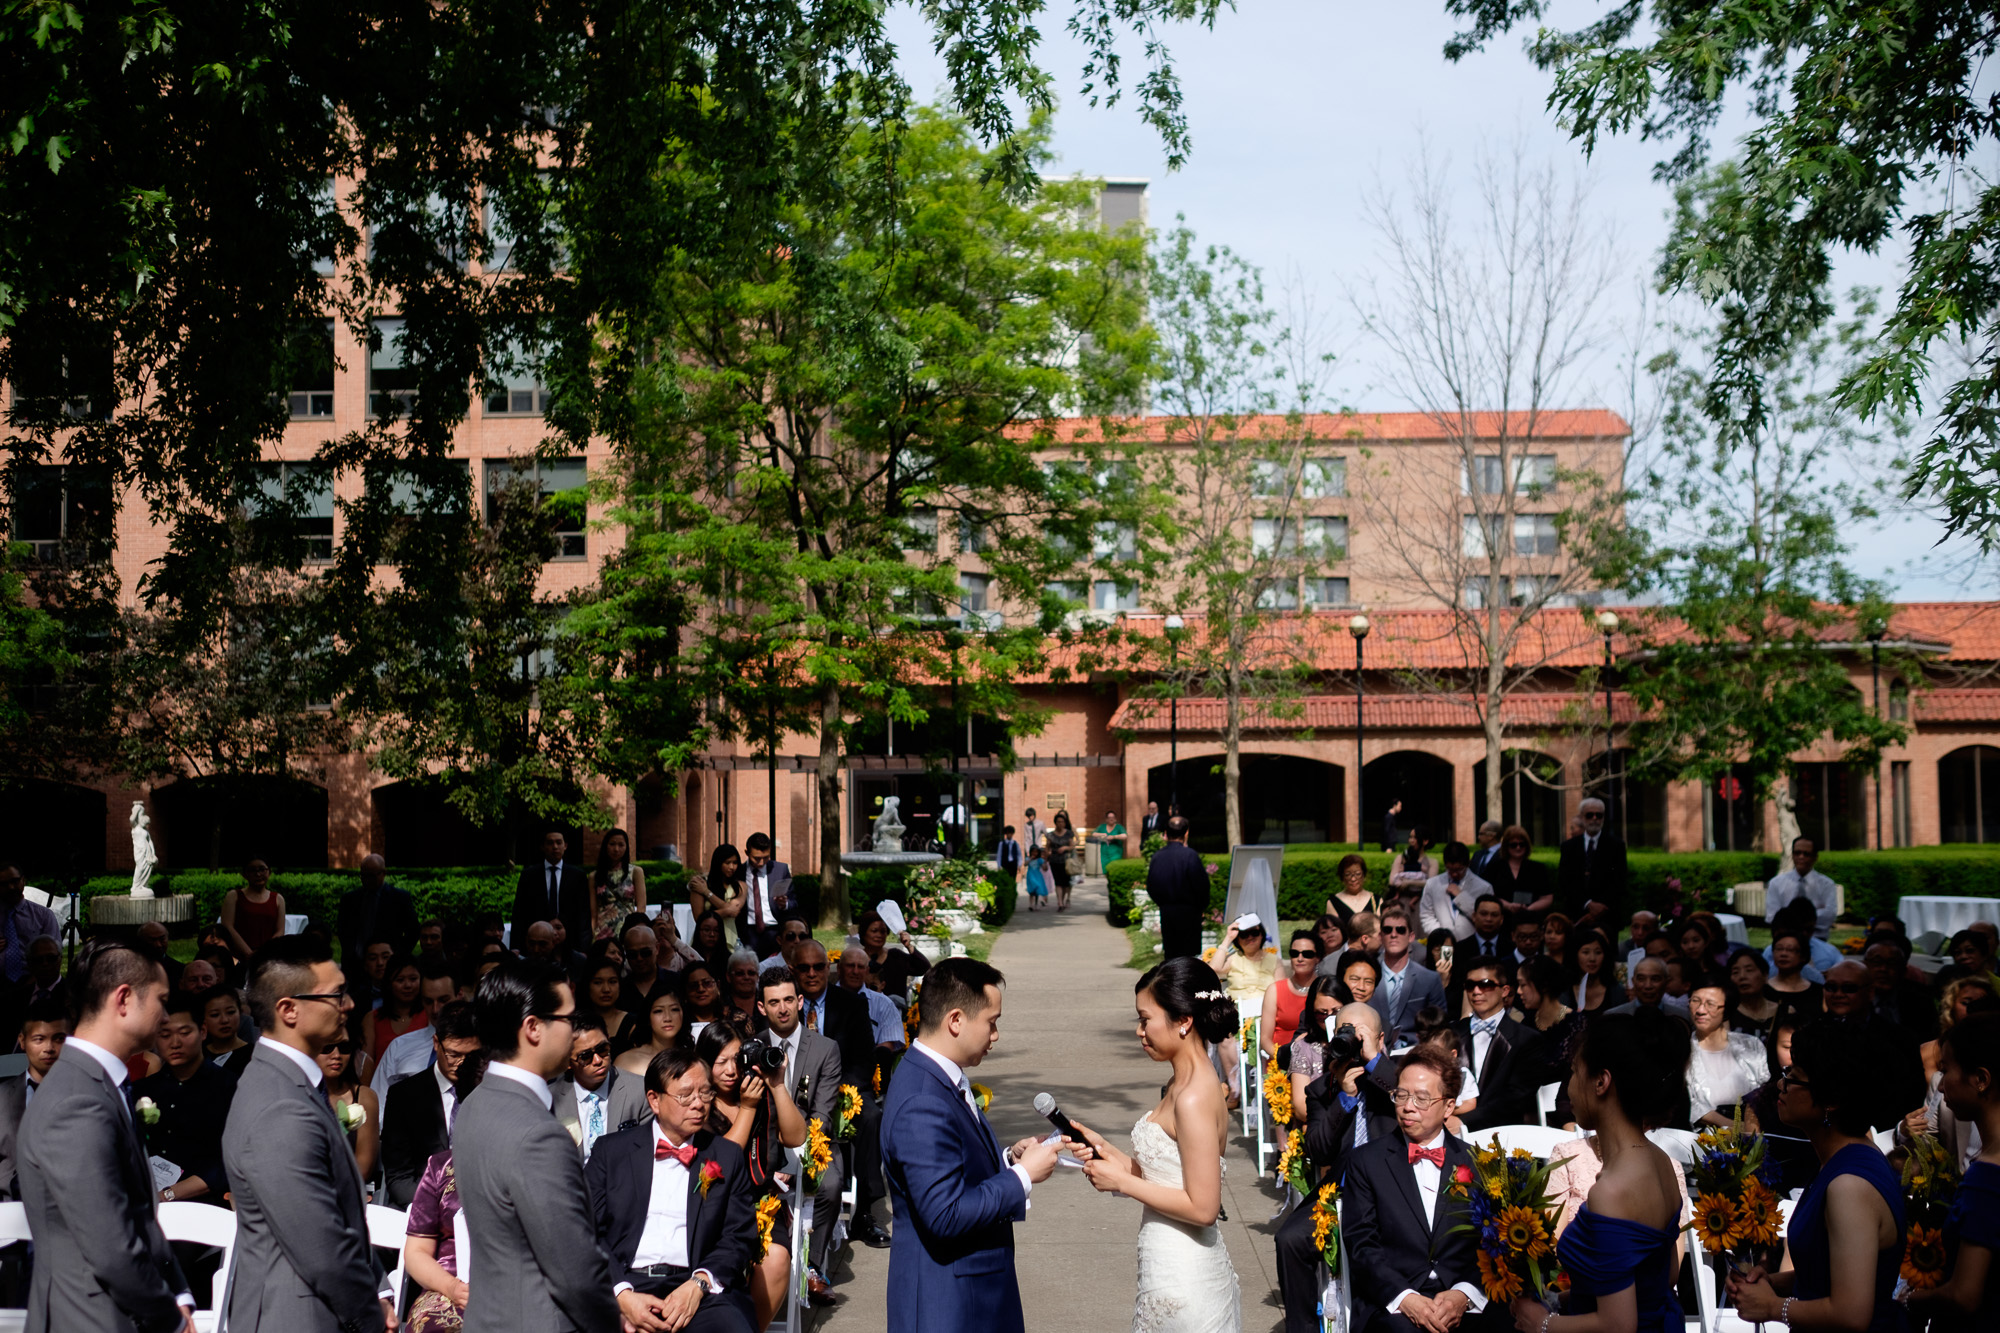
1347	1106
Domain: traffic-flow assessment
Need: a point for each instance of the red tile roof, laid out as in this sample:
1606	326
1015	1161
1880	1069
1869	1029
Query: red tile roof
1335	712
1577	424
1949	705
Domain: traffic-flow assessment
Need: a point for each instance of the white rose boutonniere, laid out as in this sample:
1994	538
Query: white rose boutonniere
148	1111
353	1115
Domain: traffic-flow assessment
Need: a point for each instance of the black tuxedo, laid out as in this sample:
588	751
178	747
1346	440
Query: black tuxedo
1506	1097
573	905
852	1029
1391	1246
1177	882
721	1220
1151	824
1330	1130
412	1130
1586	877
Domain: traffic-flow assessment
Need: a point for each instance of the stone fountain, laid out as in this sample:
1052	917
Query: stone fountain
141	904
888	843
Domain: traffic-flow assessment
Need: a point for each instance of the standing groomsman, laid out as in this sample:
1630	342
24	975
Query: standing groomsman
303	1263
101	1262
520	1178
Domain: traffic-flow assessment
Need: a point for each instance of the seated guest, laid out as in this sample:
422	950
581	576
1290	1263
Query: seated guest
430	1249
1898	1000
1817	953
1433	1031
1725	1067
221	1015
1621	1249
430	938
1363	933
893	968
1847	1234
1969	956
740	1002
368	987
701	987
710	941
1637	932
601	984
402	1007
344	1088
44	1029
1955	1001
1307	1047
1359	975
1406	986
1285	1001
759	1117
1495	1046
666	1030
1526	934
1596	988
678	1253
792	932
1695	941
1556	929
44	975
675	952
1409	1267
1489	924
1751	1008
818	1057
1245	960
418	1113
643	974
1332	943
584	1096
1681	973
200	975
1649	991
1449	896
26	922
417	1049
1970	1068
1539	987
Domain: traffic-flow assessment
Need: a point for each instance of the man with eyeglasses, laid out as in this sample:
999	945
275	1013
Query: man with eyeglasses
415	1050
643	975
673	1205
583	1095
301	1220
417	1114
792	932
1591	874
520	1181
1493	1043
1802	880
1407	987
1411	1268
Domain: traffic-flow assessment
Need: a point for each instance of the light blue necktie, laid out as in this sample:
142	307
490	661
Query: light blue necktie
1489	1026
595	1127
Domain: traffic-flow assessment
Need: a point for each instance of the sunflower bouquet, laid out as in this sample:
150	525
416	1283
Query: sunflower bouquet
848	1123
1326	1226
1293	1167
1278	1094
1510	1211
818	1155
767	1219
1735	1197
1930	1180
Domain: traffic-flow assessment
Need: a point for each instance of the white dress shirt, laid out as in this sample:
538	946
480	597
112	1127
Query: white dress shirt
1429	1177
1814	887
1483	1030
964	1085
664	1238
585	1100
758	881
533	1082
403	1056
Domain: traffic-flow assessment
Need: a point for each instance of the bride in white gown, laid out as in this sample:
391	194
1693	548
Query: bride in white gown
1186	1282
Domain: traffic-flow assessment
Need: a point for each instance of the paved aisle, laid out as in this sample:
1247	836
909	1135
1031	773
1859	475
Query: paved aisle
1067	1029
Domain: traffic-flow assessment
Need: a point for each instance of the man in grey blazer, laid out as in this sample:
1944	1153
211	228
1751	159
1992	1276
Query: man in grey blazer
303	1263
1407	987
593	1099
539	1268
812	1062
101	1262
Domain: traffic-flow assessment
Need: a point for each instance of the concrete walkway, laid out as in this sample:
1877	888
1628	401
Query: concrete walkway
1068	1029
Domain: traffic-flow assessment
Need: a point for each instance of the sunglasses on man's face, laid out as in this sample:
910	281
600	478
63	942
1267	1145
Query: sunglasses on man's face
1482	983
1395	930
593	1054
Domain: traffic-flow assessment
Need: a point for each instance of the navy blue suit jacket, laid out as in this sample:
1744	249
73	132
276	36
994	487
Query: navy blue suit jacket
951	1258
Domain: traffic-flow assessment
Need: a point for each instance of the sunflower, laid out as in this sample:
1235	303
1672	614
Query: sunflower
1326	1226
1292	1162
1757	1217
1495	1186
850	1111
1522	1155
767	1218
878	1080
1498	1280
1716	1222
1278	1094
1923	1258
818	1154
1523	1232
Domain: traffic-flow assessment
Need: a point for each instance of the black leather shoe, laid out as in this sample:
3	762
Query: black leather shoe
870	1233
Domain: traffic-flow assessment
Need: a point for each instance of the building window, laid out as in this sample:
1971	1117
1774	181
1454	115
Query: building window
1323	478
1483	475
971	535
439	225
1326	538
559	485
1114	541
1478	592
64	512
1274	536
1278	595
293	502
920	529
1535	590
514	383
1110	595
1533	473
1269	479
1899	703
1535	534
1070	590
1483	535
310	366
1899	790
1325	593
326	211
416	491
63	369
392	369
975	593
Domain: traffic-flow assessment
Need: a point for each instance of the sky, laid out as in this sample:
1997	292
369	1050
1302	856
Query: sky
1297	108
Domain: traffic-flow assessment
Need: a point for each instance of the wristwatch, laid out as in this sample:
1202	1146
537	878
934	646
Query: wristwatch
167	1194
708	1284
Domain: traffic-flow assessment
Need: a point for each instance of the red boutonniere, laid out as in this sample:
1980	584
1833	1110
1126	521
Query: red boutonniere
1462	1175
711	1171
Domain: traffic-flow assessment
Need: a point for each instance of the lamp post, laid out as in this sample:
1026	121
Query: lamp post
1607	621
1174	624
1875	631
1358	627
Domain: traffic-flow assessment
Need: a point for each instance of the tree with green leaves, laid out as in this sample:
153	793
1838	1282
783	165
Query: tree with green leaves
845	433
1745	543
1868	123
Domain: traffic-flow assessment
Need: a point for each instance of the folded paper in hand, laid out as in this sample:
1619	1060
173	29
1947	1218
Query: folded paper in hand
892	916
165	1173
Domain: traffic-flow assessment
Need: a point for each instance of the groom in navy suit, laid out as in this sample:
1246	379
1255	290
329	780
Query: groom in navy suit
956	1194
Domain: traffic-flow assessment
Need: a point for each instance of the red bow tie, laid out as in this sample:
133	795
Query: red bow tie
1435	1156
662	1150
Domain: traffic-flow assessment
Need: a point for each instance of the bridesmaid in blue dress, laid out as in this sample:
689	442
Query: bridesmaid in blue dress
1627	1076
1969	1060
1846	1236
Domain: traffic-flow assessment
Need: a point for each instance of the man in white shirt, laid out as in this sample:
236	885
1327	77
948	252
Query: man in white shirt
1803	881
1449	895
767	885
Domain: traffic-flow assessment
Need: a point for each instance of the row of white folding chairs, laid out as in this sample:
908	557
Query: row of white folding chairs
1258	1126
205	1224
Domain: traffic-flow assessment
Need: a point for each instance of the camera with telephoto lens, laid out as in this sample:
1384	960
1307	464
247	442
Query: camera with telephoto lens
761	1057
1343	1047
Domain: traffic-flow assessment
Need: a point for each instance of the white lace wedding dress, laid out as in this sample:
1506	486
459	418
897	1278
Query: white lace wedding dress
1186	1282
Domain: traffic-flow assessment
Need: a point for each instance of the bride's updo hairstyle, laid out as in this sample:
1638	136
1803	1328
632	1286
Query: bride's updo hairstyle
1647	1056
1188	988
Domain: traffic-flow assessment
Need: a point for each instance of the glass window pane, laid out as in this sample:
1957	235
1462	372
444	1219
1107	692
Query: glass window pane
392	370
1278	595
38	503
514	382
1323	478
1326	592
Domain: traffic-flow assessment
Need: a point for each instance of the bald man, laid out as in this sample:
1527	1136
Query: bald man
376	910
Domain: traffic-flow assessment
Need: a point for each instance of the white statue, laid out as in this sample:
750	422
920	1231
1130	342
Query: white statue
888	828
142	852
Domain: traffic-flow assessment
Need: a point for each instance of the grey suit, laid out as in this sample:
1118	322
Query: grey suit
13	1102
538	1267
302	1255
101	1263
620	1091
819	1058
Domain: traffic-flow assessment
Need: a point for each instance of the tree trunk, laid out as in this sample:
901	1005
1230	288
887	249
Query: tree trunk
1232	762
1496	751
833	890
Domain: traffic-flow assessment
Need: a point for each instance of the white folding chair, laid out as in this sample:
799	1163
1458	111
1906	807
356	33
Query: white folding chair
204	1224
1675	1143
1705	1319
1545	1099
1885	1142
13	1228
1541	1140
461	1244
389	1229
1334	1302
1785	1209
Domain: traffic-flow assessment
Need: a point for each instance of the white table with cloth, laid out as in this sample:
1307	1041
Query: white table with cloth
1733	927
1923	913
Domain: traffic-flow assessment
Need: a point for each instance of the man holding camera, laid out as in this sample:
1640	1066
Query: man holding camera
1348	1107
811	1069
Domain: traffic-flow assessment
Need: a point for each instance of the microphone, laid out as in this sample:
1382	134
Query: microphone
1045	1106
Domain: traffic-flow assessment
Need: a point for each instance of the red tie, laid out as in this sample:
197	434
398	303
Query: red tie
1435	1156
662	1150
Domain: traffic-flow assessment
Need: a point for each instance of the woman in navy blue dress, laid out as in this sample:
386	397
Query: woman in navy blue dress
1969	1060
1846	1237
1626	1077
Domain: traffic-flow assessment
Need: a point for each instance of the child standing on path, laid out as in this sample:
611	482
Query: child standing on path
1038	879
